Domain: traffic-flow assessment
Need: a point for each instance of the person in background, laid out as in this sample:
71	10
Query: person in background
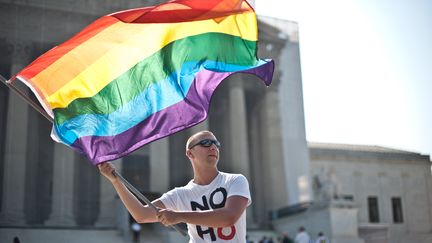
16	239
322	238
136	230
286	239
247	240
302	236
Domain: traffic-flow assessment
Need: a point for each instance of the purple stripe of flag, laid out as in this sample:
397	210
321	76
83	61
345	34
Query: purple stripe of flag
184	114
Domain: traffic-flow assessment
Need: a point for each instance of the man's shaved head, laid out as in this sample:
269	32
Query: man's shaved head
195	138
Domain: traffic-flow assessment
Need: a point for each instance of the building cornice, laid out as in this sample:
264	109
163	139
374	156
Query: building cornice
363	151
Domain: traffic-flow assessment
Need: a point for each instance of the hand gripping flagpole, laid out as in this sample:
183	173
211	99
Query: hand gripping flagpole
145	199
137	193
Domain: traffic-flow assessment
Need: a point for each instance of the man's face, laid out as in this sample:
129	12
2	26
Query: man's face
204	149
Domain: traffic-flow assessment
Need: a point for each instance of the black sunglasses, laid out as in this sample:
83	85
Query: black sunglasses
206	143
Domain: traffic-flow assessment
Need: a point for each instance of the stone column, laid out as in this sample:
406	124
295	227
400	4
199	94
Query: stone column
108	201
63	187
239	156
360	196
384	200
12	212
159	165
238	130
407	201
259	184
200	127
275	180
296	155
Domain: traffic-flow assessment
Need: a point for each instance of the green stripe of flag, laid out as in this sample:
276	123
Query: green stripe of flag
158	67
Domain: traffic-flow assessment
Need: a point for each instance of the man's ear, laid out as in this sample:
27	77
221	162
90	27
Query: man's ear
189	153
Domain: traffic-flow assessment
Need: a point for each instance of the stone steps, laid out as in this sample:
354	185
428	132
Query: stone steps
61	235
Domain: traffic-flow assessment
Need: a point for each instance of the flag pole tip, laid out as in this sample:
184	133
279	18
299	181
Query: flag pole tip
7	81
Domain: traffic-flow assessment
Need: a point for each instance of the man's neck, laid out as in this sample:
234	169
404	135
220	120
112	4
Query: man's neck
205	176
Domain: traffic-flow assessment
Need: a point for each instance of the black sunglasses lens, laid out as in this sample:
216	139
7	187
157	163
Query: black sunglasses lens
209	142
206	143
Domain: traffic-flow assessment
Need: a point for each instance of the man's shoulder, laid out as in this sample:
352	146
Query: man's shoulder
232	176
180	189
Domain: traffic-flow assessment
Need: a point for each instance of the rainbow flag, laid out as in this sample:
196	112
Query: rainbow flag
139	75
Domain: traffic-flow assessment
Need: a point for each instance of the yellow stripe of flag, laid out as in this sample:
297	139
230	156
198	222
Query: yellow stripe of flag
131	42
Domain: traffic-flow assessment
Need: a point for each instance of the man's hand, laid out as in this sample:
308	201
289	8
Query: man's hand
168	217
107	170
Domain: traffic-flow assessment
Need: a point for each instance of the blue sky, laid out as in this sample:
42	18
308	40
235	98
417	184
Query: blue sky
366	68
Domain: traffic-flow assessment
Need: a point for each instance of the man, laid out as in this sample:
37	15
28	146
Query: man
322	238
302	236
213	204
136	230
286	239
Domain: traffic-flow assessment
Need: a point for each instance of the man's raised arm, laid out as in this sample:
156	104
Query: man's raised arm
141	213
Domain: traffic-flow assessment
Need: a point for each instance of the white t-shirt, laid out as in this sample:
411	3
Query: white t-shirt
322	239
194	197
302	237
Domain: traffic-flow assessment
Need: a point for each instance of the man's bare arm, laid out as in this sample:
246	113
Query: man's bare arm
141	213
222	217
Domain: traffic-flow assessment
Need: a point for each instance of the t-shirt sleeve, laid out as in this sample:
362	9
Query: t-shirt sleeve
240	187
169	199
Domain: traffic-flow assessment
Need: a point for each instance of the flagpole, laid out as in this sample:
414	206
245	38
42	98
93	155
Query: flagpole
49	118
20	93
145	199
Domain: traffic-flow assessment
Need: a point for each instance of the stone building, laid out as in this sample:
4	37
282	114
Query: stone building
365	194
391	189
49	193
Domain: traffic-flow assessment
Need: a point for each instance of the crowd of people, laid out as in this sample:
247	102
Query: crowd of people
301	237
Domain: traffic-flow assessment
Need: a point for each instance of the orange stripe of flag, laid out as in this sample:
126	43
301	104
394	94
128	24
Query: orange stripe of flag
52	56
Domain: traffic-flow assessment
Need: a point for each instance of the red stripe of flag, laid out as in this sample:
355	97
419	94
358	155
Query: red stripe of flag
52	56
